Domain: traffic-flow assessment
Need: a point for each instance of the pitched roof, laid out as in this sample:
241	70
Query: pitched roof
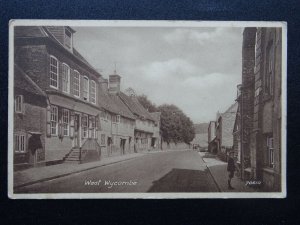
42	31
114	104
135	107
29	31
24	82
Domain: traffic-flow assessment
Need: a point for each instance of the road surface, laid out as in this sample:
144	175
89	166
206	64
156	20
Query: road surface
171	171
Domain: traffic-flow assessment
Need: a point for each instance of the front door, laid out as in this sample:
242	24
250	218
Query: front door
76	130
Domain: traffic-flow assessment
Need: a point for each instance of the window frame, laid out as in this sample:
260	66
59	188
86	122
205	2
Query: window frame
20	147
66	125
71	38
21	97
64	65
54	121
270	148
93	95
85	78
269	71
74	78
57	72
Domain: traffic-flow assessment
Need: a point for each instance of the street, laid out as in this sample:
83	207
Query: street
171	171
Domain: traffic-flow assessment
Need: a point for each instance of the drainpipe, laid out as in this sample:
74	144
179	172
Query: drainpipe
242	137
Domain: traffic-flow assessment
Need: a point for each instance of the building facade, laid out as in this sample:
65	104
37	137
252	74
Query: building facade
211	137
261	146
77	115
222	143
145	125
117	121
71	84
30	104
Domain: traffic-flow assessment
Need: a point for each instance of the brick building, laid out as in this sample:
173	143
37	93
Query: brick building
30	104
261	142
71	84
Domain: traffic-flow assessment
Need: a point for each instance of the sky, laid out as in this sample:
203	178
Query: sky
196	69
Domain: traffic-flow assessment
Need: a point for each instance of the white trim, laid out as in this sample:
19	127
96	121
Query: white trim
62	78
76	71
63	123
95	97
56	133
57	81
71	39
88	88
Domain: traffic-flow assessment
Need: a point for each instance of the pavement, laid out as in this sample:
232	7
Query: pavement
41	174
218	170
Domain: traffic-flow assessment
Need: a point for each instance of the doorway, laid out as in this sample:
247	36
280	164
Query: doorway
122	146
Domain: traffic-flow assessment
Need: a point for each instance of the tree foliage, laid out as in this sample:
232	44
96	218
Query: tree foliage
175	125
143	99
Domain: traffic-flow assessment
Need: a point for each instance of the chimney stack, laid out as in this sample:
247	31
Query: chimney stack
114	84
104	85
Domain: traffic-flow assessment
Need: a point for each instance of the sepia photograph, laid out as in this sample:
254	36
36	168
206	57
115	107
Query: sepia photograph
146	109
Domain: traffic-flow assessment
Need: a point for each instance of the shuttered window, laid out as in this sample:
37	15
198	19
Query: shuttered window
53	72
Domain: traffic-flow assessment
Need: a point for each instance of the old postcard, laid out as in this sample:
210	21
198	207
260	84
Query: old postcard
147	109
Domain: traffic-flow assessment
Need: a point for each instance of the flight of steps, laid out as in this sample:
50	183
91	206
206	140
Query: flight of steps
73	156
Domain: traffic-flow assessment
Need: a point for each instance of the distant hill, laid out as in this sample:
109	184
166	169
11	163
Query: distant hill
201	128
201	134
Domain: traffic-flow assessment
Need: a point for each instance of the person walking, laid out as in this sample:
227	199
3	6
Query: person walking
230	169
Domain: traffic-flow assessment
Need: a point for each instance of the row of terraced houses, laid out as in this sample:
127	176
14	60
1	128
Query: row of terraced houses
66	111
252	126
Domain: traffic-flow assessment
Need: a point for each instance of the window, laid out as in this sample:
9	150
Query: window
269	76
66	121
270	146
102	139
20	143
53	72
118	119
53	120
93	92
76	84
65	78
68	39
113	118
84	122
85	88
19	105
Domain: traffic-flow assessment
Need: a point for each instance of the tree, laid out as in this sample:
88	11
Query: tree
146	103
175	125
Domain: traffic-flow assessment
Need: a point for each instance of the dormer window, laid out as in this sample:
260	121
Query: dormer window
68	39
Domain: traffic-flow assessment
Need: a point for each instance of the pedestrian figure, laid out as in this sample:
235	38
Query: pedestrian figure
230	169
